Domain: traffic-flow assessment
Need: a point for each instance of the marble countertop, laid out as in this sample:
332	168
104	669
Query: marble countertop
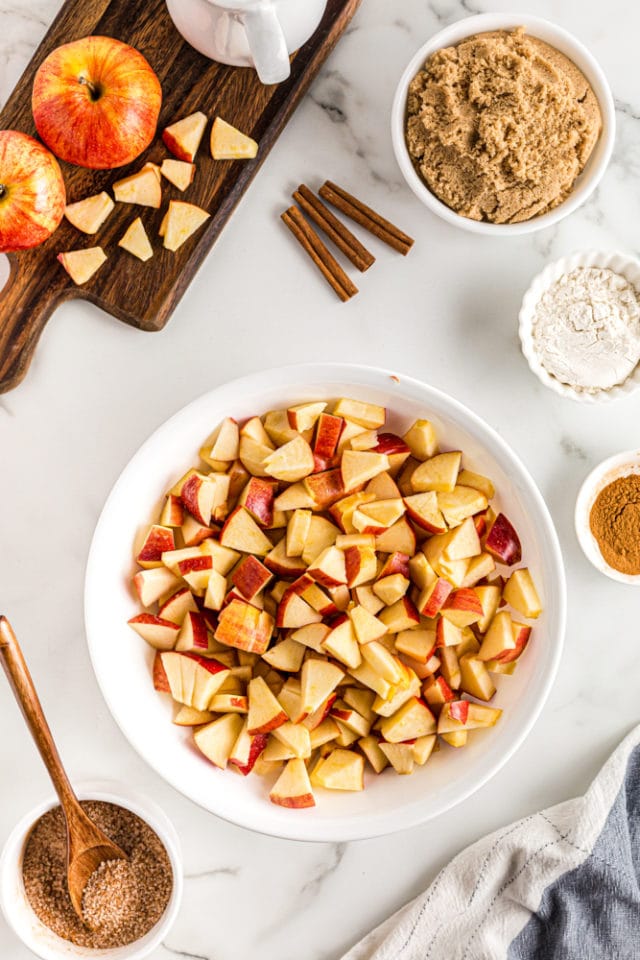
446	314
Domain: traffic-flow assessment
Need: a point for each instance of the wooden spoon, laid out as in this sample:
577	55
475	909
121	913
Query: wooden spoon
87	845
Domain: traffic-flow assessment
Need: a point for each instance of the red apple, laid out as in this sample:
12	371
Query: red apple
96	102
32	194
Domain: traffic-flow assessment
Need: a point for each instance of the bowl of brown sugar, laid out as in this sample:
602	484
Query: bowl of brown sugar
128	906
503	124
607	517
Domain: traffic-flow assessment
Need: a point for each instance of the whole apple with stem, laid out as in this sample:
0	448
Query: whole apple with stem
32	194
96	102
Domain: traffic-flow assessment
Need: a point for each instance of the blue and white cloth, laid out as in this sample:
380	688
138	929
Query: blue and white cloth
563	884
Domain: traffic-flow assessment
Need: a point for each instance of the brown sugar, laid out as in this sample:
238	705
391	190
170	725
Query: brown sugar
615	523
500	126
122	901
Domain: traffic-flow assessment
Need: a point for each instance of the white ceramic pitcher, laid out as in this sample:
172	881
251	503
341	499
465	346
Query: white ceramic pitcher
248	33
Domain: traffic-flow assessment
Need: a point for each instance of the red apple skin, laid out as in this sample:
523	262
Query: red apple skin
395	563
328	430
322	712
195	564
286	573
341	714
151	618
250	577
198	630
32	194
258	743
211	666
390	443
459	710
438	692
96	102
270	725
522	640
465	598
480	523
321	464
258	500
156	542
160	679
503	542
295	803
326	487
300	585
437	598
189	496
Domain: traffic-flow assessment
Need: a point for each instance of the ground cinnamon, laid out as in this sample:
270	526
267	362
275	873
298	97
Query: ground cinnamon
615	523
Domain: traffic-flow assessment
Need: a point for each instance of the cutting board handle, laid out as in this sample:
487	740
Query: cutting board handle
26	303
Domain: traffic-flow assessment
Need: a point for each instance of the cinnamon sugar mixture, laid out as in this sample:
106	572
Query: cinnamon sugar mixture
122	901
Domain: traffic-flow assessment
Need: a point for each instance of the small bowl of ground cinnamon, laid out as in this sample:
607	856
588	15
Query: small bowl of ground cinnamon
128	906
607	517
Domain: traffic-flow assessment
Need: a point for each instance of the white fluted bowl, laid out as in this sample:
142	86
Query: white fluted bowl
620	263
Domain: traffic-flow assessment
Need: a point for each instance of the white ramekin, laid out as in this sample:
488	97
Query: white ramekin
620	263
620	465
563	41
17	910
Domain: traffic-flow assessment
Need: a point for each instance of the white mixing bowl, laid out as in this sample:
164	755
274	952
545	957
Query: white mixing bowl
122	662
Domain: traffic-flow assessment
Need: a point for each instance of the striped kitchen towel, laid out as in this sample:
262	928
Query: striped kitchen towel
563	884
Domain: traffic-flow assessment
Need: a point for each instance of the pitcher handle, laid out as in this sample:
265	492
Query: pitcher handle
267	44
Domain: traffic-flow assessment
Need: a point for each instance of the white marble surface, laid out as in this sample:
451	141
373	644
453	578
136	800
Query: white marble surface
446	314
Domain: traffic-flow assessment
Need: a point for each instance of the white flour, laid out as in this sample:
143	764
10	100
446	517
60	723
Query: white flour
586	329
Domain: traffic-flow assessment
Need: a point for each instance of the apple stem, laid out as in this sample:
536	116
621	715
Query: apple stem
94	93
3	190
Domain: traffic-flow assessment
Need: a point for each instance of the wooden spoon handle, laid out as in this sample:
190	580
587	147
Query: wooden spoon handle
22	685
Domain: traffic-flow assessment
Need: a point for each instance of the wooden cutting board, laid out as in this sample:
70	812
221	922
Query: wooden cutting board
145	294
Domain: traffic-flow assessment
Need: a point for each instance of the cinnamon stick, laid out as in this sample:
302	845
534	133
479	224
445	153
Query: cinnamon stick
356	210
315	248
344	240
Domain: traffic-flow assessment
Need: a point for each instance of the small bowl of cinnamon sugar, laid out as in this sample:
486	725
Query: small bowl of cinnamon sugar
607	517
128	906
